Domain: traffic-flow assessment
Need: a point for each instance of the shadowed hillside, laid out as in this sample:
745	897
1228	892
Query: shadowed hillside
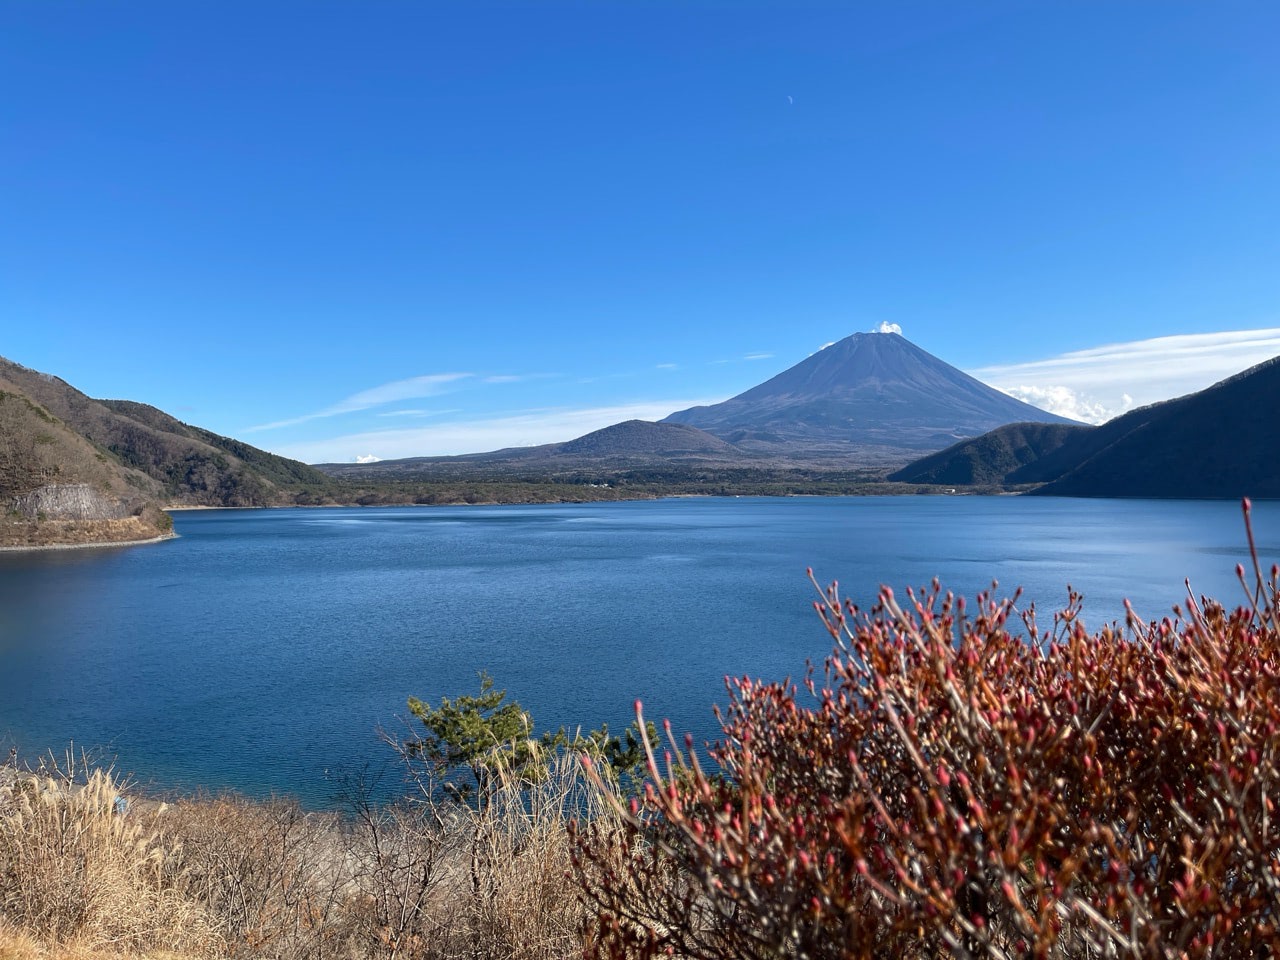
992	457
1220	442
1217	443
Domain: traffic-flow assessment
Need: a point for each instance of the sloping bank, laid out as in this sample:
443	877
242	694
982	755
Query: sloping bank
66	515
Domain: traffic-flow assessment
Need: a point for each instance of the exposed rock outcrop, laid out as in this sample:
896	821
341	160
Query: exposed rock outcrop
71	501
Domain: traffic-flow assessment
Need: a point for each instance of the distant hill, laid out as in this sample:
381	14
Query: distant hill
622	445
991	458
190	466
1217	443
874	395
633	437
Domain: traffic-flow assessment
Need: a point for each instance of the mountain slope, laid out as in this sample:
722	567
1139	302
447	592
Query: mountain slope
642	437
1217	443
992	457
58	487
188	465
869	393
623	445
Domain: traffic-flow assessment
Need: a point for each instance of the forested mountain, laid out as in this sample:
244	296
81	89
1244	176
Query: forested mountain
992	458
1218	442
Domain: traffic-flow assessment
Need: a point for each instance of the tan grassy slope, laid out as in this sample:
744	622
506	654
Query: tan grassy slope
226	877
56	486
185	464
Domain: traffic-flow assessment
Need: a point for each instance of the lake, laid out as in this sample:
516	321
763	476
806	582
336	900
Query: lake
263	648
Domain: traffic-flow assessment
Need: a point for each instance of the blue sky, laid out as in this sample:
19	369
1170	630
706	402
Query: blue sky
395	228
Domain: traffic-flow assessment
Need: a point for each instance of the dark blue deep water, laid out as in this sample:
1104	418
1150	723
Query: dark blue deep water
265	647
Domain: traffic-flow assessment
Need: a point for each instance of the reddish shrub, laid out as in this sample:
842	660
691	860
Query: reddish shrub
953	785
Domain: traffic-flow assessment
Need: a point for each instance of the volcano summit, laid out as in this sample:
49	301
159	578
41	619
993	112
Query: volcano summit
874	395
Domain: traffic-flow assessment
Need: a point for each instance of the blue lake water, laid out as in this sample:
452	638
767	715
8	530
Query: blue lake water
262	649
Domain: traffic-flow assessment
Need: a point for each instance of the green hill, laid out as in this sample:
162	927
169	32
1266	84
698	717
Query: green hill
991	458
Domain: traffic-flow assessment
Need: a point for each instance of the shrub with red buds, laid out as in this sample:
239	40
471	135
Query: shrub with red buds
960	781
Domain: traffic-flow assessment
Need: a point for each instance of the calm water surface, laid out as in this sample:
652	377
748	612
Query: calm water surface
263	648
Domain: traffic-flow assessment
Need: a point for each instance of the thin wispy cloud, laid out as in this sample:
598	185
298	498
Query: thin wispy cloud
667	366
757	356
518	377
1097	384
416	413
617	375
524	428
409	389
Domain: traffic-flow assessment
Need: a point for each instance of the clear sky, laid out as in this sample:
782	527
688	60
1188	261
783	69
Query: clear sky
394	228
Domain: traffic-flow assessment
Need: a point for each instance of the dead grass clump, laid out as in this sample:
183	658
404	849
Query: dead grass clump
72	869
232	877
270	875
443	880
524	903
16	944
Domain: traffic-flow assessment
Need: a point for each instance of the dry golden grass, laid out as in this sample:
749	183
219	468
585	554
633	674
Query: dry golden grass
230	877
18	945
74	871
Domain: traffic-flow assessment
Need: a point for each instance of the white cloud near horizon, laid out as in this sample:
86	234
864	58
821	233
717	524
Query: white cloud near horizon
409	389
527	428
1097	384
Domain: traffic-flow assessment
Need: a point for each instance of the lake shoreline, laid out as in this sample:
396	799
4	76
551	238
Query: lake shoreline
97	544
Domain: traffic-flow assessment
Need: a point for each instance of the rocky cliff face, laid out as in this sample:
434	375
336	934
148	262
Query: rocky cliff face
70	501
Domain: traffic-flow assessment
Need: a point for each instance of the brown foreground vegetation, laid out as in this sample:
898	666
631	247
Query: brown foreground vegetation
954	783
230	877
954	787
